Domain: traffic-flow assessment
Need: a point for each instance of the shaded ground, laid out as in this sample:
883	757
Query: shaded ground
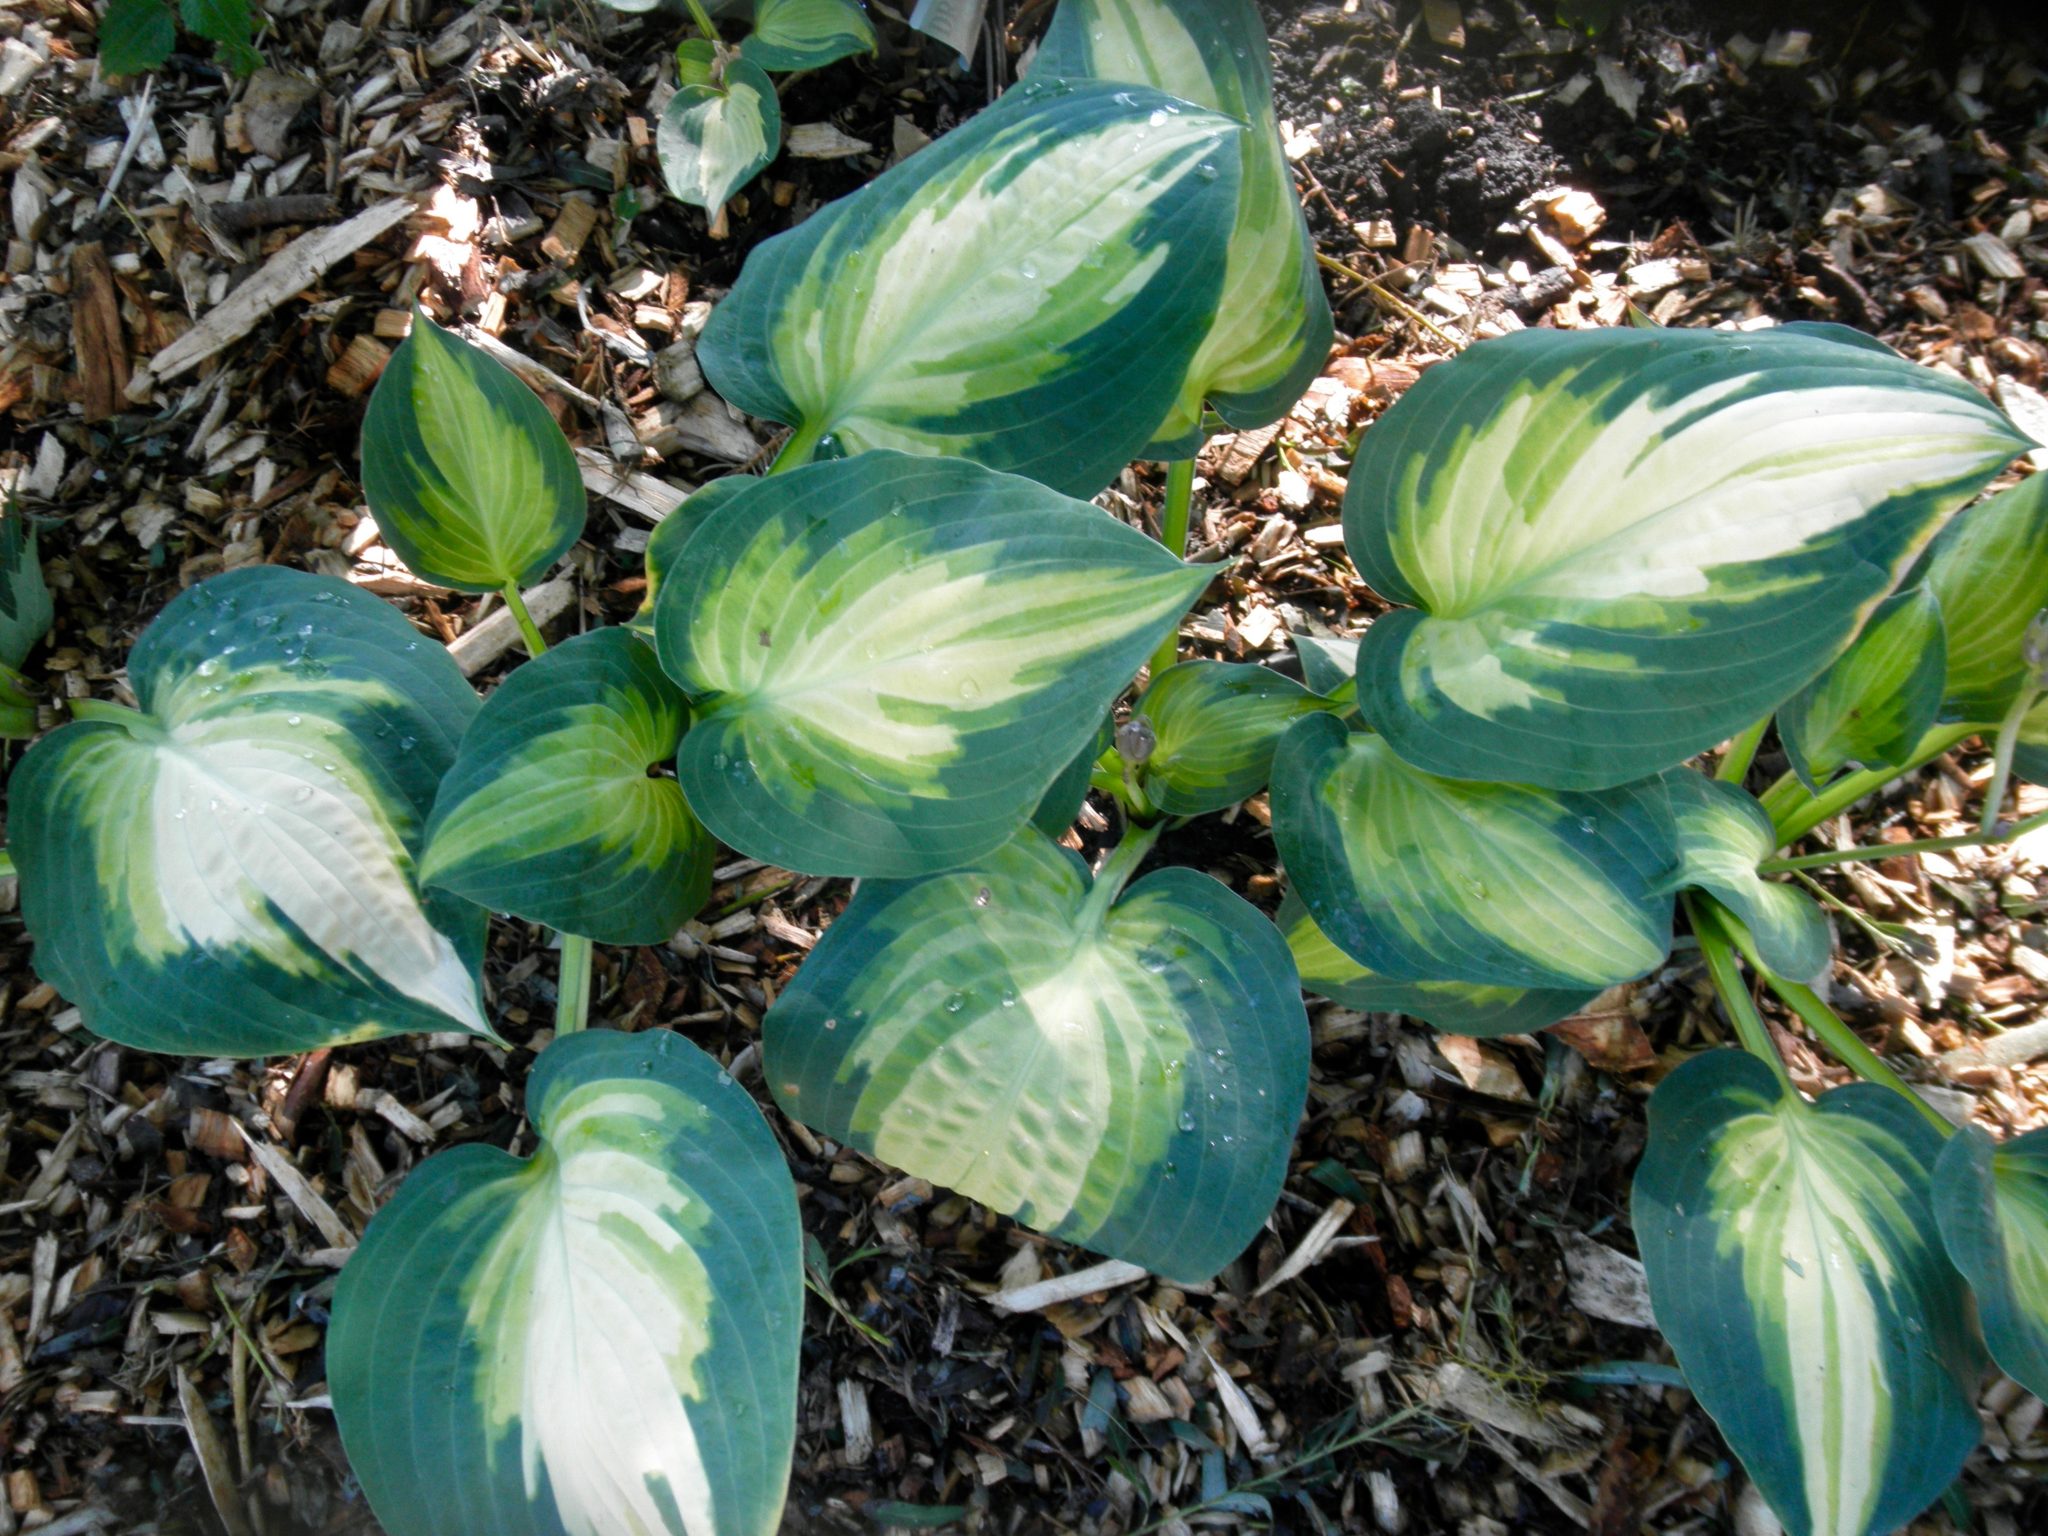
1436	1369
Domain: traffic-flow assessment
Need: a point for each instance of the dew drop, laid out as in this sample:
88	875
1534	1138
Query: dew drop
294	719
970	689
982	897
955	1003
831	1023
1187	1120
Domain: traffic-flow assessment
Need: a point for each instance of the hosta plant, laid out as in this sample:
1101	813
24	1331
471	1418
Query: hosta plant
904	655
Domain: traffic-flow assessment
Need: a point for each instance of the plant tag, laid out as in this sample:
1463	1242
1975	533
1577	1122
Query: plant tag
956	23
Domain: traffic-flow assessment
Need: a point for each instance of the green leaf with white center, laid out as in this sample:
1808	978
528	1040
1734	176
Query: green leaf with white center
470	480
231	871
1993	1204
714	139
1214	727
1272	328
1326	664
1426	879
807	34
1027	292
669	537
26	611
1126	1077
1794	1265
1989	569
1623	546
1870	709
1458	1007
550	811
892	658
599	1340
1722	836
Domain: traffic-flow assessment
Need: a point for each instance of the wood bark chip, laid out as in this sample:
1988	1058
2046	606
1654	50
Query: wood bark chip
96	336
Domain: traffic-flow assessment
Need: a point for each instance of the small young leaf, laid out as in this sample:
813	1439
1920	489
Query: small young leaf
1993	1204
715	139
549	811
1215	727
1027	292
470	480
1458	1007
602	1338
1623	546
136	36
230	872
1326	664
1794	1265
696	62
1427	879
1874	704
1061	804
1722	834
807	34
26	612
891	658
1270	333
1989	569
1127	1080
228	25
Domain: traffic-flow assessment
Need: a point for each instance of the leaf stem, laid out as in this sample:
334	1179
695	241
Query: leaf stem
1848	1048
6	864
1795	817
1115	874
703	19
2001	762
2005	833
572	987
106	711
1173	533
1741	753
529	631
796	449
1719	953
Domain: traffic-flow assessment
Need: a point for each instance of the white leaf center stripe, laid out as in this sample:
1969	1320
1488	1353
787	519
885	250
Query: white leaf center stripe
592	1310
241	824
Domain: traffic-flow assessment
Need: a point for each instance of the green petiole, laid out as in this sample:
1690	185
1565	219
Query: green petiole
1719	952
529	631
572	989
2002	834
1741	753
1173	533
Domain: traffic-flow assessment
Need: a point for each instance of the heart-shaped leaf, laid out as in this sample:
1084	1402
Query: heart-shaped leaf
1427	879
1125	1077
891	658
26	612
1459	1007
672	533
714	139
1722	835
550	811
1794	1265
1989	569
1627	545
601	1338
231	871
1214	728
1027	292
807	34
472	483
1271	331
1870	709
1993	1204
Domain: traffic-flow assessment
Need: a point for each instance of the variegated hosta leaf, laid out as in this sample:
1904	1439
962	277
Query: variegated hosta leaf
550	812
1795	1266
1061	804
231	871
1127	1079
1870	709
714	139
1326	665
807	34
1722	835
1215	726
892	658
472	483
1993	1205
1027	292
1459	1007
1989	568
671	534
1428	879
1627	545
25	608
1272	329
598	1340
